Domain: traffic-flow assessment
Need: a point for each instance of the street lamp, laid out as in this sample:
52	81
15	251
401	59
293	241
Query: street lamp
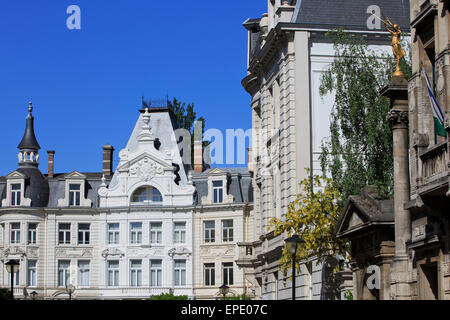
70	288
224	289
12	266
33	295
292	245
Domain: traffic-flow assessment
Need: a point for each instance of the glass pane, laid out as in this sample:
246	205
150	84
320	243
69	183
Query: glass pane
217	183
74	187
16	186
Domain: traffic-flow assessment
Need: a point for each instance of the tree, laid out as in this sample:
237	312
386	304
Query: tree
5	294
313	215
359	151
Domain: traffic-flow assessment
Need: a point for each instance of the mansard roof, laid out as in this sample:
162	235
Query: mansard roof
349	14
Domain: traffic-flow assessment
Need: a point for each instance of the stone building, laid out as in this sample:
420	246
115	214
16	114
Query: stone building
420	267
141	230
287	53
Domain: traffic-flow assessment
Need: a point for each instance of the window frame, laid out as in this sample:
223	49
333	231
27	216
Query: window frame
209	233
64	272
15	197
74	199
137	232
85	234
157	271
32	233
180	280
209	274
218	191
138	273
14	234
67	233
180	232
115	271
114	232
32	273
82	272
227	230
227	270
158	232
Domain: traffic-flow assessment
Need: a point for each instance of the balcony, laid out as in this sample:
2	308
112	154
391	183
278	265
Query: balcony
433	168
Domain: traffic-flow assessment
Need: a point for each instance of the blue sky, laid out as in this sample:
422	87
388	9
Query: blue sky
86	85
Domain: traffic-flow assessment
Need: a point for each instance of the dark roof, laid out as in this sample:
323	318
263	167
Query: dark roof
29	138
351	14
371	208
36	187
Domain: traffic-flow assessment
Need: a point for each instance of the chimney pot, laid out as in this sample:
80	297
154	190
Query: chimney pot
51	159
198	156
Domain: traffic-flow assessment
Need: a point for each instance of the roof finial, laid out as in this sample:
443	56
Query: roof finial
30	107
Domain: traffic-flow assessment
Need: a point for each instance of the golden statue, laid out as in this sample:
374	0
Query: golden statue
397	49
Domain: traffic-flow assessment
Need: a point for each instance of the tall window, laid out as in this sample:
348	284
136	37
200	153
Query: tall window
16	279
179	232
31	273
135	273
113	233
155	273
180	272
14	233
227	230
64	233
32	233
218	191
136	232
84	233
16	189
209	231
227	271
146	194
74	194
210	274
155	232
63	273
113	273
84	273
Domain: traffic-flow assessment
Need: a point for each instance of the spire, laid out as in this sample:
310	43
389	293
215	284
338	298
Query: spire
29	146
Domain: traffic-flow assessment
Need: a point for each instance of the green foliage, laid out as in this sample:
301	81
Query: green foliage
238	297
313	216
5	294
168	296
348	295
359	151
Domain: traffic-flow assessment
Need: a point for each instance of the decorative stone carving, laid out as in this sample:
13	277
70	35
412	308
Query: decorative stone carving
179	251
112	252
13	251
73	252
146	169
32	252
217	250
397	117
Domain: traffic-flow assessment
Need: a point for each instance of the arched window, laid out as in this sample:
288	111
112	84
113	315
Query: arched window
146	194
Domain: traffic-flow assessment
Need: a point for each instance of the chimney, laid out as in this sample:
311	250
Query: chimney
108	151
198	156
51	158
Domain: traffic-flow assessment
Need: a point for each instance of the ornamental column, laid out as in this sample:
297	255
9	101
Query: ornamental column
397	92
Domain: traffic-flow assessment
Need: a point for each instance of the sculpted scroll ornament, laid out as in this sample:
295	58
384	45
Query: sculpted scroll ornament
146	169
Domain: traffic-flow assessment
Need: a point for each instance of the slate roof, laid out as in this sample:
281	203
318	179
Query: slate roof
350	14
29	138
240	185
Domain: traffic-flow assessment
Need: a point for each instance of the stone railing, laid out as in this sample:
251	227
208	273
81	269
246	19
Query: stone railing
434	163
144	291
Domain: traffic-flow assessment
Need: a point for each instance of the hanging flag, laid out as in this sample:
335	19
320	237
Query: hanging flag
438	115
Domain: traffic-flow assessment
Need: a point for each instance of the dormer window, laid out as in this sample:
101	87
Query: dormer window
218	191
74	194
146	194
16	190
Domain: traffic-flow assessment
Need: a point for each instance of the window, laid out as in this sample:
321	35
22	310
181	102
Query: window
209	271
180	272
63	273
218	191
179	232
227	271
31	274
209	231
83	273
64	233
146	194
135	232
83	233
135	273
227	230
155	273
113	233
16	279
155	232
113	273
14	233
16	189
32	233
74	194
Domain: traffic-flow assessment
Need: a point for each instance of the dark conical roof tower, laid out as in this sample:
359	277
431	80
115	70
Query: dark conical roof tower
29	155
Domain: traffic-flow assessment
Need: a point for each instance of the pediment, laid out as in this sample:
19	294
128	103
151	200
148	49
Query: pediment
217	172
145	158
16	175
352	219
75	175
